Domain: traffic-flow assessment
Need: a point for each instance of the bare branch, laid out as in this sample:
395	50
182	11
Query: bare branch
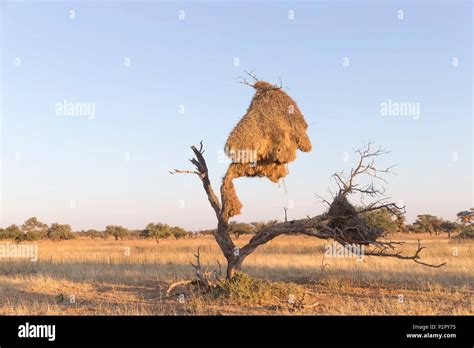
222	234
244	81
178	171
315	227
252	75
179	283
393	208
415	257
201	170
323	200
203	277
365	166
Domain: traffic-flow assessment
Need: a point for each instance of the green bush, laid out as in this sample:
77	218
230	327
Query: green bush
244	289
467	232
179	232
93	234
240	228
29	236
118	232
59	232
34	229
11	232
157	231
382	219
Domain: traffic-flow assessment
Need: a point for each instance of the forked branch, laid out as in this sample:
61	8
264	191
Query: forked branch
364	166
203	174
415	257
203	277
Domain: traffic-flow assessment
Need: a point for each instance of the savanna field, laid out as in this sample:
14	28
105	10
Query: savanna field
290	275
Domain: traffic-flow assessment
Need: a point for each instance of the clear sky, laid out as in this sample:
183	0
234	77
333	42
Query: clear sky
113	168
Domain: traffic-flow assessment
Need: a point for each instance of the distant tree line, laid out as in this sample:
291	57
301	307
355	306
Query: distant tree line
156	231
33	229
241	228
434	225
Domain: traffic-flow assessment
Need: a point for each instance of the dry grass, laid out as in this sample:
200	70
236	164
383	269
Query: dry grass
104	280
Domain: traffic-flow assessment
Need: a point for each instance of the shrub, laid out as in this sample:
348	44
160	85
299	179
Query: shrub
157	231
244	289
29	236
118	232
239	228
34	229
179	232
382	218
11	232
94	234
59	232
467	232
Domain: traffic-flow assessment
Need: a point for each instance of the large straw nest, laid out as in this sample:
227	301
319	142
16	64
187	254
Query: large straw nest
271	131
346	220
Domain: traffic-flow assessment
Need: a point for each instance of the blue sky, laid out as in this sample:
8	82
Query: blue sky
113	169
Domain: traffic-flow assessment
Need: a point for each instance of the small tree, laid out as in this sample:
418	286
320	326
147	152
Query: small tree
94	234
449	227
240	228
157	231
34	229
179	232
210	232
428	223
467	232
466	217
382	218
58	232
258	225
118	232
12	232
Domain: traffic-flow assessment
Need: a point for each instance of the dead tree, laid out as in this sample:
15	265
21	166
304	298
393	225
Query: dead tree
203	277
341	223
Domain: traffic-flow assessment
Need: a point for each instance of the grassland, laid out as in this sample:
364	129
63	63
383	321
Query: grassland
130	277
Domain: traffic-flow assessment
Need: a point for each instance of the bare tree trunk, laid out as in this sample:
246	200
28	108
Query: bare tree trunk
233	266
